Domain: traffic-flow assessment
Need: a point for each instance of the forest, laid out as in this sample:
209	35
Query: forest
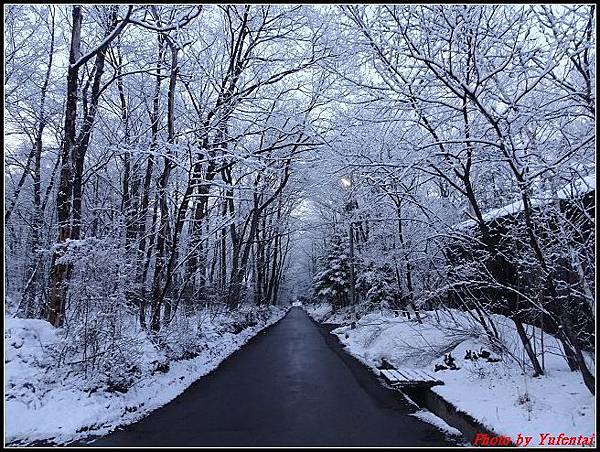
165	165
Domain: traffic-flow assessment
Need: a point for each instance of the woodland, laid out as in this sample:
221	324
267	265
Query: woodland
167	163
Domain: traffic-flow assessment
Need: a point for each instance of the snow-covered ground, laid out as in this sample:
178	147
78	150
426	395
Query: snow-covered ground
320	312
501	395
430	418
45	402
323	313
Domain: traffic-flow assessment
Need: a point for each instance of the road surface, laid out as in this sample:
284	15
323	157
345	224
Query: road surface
289	386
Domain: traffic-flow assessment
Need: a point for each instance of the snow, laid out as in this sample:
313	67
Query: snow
502	396
43	403
432	419
324	313
318	312
577	188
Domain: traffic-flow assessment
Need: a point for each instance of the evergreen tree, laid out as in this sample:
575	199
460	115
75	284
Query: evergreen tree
377	284
332	283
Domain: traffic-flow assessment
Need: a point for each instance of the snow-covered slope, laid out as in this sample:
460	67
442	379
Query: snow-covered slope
501	395
46	402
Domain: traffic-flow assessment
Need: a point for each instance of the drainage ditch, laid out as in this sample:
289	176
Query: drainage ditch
425	398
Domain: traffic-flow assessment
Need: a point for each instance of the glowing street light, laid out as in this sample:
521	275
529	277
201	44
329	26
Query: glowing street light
345	181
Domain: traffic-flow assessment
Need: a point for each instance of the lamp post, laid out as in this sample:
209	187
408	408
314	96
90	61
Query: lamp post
347	183
351	235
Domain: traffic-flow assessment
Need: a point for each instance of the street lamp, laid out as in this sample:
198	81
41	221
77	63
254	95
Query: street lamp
347	183
351	232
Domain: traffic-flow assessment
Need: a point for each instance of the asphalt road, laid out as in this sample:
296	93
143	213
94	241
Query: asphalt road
289	386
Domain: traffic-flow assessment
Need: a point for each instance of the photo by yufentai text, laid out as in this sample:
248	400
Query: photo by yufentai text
542	439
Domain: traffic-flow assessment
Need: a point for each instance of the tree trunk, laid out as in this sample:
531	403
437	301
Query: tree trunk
60	271
159	292
30	304
527	345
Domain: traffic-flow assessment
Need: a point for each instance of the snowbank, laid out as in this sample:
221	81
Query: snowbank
324	313
501	395
430	418
318	312
44	402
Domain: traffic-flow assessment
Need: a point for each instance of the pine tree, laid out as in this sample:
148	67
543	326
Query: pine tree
377	283
332	283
